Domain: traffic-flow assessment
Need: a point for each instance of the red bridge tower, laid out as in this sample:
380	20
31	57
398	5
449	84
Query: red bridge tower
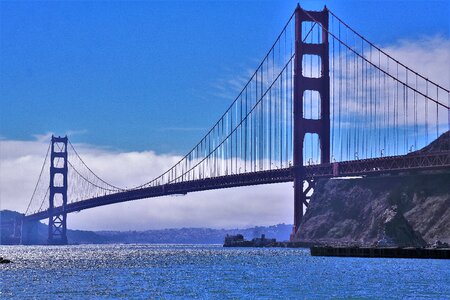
57	226
302	126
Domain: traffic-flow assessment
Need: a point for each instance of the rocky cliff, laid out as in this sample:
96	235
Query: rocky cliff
387	211
408	210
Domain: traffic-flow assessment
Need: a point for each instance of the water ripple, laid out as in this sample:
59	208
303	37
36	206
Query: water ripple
205	272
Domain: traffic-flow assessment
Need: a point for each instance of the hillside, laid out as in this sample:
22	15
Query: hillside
408	210
389	211
441	144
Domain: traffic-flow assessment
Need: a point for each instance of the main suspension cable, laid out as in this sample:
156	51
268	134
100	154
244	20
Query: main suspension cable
393	77
93	173
39	179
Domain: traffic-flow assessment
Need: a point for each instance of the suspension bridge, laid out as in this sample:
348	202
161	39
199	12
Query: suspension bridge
324	102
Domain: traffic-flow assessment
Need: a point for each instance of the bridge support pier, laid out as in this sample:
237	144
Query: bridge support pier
303	125
57	225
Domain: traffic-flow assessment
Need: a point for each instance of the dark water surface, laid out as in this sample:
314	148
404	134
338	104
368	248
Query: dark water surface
204	272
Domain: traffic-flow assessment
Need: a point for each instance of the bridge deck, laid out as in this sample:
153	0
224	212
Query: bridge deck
382	165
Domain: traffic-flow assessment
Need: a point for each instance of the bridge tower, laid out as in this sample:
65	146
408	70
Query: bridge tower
57	226
302	126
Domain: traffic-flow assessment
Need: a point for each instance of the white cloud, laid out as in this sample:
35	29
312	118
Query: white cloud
377	106
430	57
21	161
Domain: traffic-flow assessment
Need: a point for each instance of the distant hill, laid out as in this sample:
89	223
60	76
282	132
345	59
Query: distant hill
194	235
163	236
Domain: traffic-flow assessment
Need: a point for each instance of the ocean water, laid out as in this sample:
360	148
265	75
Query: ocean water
211	272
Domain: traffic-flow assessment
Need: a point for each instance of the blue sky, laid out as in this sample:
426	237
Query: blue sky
153	75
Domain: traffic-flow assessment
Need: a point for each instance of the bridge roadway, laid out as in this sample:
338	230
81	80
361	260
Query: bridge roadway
373	166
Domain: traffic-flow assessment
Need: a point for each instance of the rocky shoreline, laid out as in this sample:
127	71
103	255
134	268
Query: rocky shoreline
387	211
409	209
4	261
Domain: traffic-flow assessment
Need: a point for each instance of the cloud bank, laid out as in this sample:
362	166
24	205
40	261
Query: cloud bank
21	161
